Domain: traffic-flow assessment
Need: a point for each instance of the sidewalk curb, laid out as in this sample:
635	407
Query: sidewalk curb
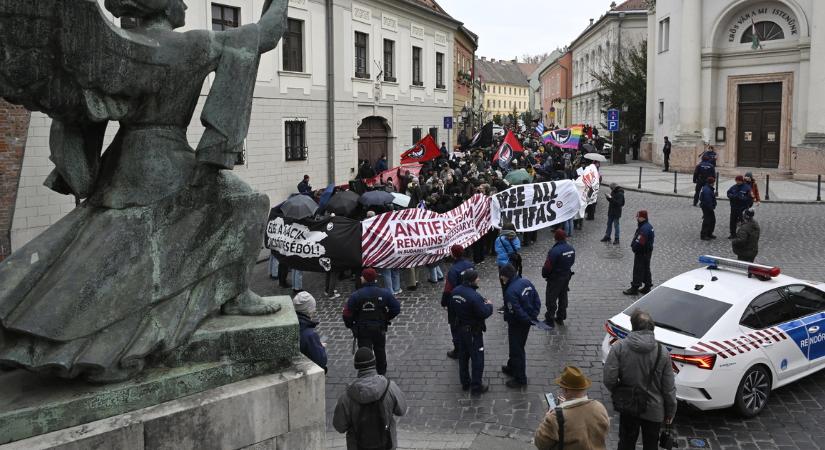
771	202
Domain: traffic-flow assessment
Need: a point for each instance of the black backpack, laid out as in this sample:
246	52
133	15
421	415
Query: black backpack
371	429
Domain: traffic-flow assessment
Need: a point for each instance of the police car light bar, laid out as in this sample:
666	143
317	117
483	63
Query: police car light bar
757	270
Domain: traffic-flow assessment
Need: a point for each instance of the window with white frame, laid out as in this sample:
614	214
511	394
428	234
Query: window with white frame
295	145
664	35
361	52
294	46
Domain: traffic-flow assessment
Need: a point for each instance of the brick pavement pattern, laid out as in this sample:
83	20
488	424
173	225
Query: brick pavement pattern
419	338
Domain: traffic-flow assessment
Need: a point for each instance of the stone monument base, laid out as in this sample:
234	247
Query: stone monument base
281	410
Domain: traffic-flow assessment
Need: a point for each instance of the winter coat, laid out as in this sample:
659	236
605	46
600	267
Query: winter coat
586	425
702	171
707	198
469	307
368	388
629	363
643	239
615	203
370	291
504	248
740	197
522	302
560	260
746	242
311	345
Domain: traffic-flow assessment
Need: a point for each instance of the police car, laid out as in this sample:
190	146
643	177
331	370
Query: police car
735	330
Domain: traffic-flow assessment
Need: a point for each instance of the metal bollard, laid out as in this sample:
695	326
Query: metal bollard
717	184
767	186
674	182
819	188
640	179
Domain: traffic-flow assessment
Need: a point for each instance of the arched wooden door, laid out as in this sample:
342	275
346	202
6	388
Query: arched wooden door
372	139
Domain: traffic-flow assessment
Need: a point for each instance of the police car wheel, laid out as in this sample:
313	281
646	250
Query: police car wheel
753	392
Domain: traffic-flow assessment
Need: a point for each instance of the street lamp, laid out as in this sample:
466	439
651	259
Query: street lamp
465	116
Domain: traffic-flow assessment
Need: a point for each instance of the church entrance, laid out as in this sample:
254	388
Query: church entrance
759	125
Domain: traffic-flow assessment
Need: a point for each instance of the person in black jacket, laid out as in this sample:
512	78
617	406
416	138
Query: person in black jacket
615	200
471	310
368	313
642	246
707	200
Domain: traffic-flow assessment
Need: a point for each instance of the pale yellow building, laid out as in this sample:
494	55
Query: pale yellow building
505	87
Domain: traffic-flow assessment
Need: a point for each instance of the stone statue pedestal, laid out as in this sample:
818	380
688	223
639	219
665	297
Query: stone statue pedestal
239	381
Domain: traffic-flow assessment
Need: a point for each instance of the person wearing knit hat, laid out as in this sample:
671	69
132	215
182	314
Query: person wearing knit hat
369	393
453	280
368	313
310	343
707	201
590	416
471	310
522	306
642	246
557	271
746	243
615	203
740	199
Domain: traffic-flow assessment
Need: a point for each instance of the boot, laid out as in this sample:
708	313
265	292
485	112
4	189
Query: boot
631	291
452	354
645	289
616	241
605	239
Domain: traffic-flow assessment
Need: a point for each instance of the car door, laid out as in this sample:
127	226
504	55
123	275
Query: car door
774	324
810	302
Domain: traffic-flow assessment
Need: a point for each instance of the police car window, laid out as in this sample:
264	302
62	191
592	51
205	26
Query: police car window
667	307
805	299
769	309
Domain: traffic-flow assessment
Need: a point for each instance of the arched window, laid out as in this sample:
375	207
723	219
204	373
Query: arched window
765	31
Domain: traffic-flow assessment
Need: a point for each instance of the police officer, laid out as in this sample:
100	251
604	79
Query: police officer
642	247
557	272
740	200
701	173
453	281
368	313
523	305
470	310
707	200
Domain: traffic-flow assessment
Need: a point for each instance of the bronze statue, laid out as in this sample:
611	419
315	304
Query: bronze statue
165	235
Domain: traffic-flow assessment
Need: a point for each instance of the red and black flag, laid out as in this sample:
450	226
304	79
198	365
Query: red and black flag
507	148
424	150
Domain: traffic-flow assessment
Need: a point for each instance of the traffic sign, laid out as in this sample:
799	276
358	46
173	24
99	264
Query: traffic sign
613	114
613	125
448	123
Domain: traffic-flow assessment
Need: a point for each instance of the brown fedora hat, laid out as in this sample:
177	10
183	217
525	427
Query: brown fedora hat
572	378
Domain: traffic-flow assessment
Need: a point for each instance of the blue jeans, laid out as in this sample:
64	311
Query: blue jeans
297	280
435	272
273	266
392	279
614	221
568	227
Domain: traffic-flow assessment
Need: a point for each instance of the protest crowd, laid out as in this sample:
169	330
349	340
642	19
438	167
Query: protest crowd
485	200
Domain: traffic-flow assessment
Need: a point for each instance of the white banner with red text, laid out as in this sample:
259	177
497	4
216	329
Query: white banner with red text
415	237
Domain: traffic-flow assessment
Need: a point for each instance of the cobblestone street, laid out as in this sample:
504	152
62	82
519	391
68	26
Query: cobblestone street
419	337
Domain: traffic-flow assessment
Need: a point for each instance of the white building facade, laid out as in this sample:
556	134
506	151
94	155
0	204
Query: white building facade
744	76
391	80
595	50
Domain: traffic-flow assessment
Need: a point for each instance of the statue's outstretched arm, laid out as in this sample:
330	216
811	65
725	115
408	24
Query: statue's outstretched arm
272	23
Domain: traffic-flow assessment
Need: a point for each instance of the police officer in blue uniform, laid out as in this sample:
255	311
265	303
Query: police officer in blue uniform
556	271
707	200
470	309
453	281
701	173
368	313
523	305
642	247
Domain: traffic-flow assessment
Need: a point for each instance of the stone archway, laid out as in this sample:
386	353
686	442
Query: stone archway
373	139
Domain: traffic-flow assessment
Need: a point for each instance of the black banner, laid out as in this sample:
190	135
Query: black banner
329	244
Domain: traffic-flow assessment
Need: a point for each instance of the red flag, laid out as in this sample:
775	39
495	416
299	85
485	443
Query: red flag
423	150
510	145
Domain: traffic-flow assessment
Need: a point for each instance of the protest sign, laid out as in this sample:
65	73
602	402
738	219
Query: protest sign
534	206
329	244
415	237
588	185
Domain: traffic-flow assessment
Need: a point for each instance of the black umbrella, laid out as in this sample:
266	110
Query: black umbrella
343	203
589	148
299	206
376	198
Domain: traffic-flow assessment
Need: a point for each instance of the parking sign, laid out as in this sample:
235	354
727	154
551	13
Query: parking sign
612	120
448	123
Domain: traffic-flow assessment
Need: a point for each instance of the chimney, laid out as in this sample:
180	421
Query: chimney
515	60
591	22
492	60
484	58
612	5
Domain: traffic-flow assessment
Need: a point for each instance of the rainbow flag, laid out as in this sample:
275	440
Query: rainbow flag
564	138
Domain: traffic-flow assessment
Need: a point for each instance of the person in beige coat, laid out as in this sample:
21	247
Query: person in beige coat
585	421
